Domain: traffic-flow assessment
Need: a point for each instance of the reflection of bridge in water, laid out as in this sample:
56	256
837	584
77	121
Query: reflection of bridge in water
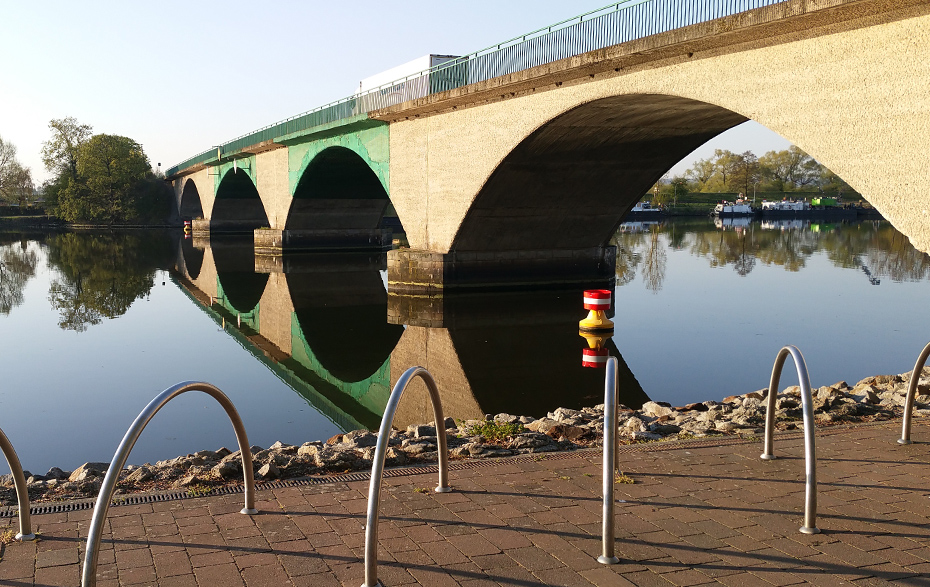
325	325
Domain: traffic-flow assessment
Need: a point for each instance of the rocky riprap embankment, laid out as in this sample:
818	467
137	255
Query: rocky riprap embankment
874	398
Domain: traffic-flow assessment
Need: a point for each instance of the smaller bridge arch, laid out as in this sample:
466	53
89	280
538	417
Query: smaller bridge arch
238	206
191	204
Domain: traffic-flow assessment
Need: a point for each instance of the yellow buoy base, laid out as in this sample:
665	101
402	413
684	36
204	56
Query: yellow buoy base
596	340
596	321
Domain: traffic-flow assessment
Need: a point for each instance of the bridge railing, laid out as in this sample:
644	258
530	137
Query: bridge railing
616	23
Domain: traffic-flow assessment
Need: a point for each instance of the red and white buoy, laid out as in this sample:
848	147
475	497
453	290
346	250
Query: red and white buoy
596	328
597	302
594	357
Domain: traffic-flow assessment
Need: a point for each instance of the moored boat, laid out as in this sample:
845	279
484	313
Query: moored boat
645	210
740	207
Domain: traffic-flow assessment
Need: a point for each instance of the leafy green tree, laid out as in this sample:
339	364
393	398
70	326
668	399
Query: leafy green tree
17	266
15	180
102	179
789	170
680	186
702	172
60	153
100	276
728	165
746	172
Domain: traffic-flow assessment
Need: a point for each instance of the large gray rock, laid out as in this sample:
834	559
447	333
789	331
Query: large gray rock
227	469
88	471
530	440
360	439
269	471
140	475
656	410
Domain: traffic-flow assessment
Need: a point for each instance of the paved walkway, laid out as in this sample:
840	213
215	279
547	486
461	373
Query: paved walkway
698	514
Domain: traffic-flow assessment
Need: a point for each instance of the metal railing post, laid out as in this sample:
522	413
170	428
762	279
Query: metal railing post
911	394
810	451
22	493
377	465
102	506
610	463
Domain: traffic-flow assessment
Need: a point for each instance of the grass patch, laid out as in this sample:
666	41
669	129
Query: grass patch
624	478
199	490
495	431
421	490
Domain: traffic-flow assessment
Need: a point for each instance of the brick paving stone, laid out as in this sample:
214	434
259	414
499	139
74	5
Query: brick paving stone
695	516
170	564
265	576
226	575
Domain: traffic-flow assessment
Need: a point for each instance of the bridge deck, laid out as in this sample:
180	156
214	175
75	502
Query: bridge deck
698	514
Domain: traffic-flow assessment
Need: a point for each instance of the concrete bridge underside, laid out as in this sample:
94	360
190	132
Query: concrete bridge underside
536	169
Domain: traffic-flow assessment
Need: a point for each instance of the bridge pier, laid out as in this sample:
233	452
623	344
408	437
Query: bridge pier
274	242
205	226
419	272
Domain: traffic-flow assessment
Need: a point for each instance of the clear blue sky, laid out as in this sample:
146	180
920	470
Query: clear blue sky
179	77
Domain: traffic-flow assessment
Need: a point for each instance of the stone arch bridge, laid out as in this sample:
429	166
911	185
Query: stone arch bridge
522	178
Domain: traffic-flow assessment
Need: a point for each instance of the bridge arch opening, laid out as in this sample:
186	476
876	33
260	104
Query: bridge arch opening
569	184
238	206
338	190
340	312
191	206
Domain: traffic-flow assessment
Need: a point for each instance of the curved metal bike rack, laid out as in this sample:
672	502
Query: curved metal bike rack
610	463
911	393
810	451
22	494
89	572
377	466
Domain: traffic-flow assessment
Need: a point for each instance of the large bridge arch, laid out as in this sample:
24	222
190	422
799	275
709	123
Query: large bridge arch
852	94
338	189
238	207
571	181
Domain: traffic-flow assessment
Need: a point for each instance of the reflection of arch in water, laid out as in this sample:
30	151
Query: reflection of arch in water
339	327
239	288
369	388
325	397
192	258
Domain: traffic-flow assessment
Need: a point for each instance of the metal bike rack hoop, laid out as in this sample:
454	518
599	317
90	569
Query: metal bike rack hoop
102	506
810	451
911	394
22	494
610	463
377	465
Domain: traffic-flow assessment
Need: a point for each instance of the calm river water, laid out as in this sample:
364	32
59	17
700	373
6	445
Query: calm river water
95	325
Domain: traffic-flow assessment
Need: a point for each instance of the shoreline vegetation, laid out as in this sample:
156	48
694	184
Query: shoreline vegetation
874	398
